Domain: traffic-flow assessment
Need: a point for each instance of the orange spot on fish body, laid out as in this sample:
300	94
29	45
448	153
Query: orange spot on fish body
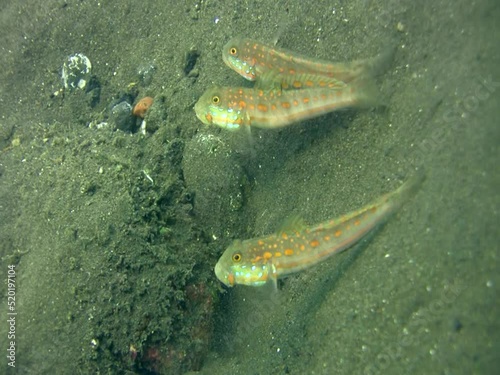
262	107
267	255
288	252
285	105
277	254
338	233
314	243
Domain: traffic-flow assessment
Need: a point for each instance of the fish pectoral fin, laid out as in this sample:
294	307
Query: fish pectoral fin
292	224
269	81
273	276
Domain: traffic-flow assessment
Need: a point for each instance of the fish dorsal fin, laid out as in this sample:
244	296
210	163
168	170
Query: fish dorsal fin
291	225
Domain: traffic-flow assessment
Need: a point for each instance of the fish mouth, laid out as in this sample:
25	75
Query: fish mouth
199	113
226	60
222	275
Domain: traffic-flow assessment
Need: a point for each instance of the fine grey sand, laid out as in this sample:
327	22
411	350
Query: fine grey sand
109	232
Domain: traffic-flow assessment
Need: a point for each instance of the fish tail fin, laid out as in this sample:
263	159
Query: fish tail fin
394	200
379	64
365	92
409	188
368	95
369	67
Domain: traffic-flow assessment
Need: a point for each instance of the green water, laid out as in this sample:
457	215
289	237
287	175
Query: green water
113	235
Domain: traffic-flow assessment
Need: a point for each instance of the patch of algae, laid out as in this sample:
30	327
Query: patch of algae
111	262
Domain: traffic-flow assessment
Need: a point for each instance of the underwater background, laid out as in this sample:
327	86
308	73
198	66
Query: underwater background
110	228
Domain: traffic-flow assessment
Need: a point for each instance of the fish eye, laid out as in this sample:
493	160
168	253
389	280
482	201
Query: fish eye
215	99
236	257
233	51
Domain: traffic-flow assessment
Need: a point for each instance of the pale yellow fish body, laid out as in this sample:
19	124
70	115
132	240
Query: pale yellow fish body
252	59
236	107
257	261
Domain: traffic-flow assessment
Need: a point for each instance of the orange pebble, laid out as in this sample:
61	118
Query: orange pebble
142	106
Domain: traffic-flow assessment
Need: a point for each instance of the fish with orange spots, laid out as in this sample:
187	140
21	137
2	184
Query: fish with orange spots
258	261
254	60
235	107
